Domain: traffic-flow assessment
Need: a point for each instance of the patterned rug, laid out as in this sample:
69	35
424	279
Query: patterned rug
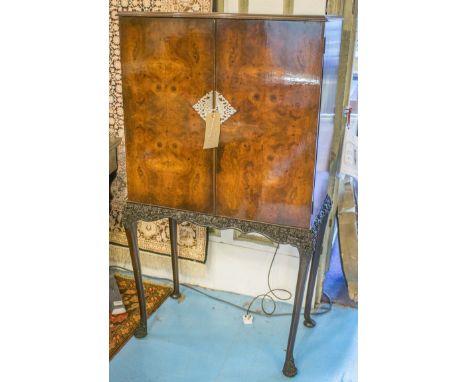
152	236
122	327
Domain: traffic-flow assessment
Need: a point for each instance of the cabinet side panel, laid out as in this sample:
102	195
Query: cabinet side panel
270	71
167	66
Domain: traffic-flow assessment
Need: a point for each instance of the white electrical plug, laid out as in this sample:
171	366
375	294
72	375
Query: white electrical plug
248	318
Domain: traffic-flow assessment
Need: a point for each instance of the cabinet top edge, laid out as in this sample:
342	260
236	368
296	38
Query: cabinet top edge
232	16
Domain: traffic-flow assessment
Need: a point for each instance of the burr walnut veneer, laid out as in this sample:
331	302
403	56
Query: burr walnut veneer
263	75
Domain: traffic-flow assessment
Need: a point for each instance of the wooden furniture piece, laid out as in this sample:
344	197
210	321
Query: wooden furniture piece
261	75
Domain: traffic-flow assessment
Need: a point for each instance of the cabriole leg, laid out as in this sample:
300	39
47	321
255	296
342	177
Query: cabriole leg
132	238
289	368
175	264
308	321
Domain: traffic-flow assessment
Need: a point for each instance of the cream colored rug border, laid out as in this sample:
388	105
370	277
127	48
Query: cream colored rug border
120	256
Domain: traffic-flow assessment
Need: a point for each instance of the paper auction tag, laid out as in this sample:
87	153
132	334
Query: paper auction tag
212	131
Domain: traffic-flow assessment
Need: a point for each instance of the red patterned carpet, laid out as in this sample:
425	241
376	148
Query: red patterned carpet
122	327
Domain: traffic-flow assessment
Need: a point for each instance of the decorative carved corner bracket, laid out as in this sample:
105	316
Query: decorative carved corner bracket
303	239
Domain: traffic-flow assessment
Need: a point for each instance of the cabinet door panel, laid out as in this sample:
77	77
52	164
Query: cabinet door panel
167	66
270	71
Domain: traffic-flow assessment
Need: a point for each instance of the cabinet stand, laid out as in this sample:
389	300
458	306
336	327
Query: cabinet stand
307	241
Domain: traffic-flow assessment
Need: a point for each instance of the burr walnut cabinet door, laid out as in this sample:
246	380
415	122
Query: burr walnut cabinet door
270	72
167	66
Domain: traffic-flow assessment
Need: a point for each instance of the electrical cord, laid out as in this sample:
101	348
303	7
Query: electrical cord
268	294
271	292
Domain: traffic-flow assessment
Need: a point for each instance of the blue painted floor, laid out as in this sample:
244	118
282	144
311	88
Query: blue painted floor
199	339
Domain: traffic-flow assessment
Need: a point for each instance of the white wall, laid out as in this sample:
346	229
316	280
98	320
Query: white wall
233	266
241	267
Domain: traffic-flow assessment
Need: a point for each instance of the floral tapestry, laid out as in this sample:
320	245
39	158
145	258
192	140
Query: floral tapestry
152	236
